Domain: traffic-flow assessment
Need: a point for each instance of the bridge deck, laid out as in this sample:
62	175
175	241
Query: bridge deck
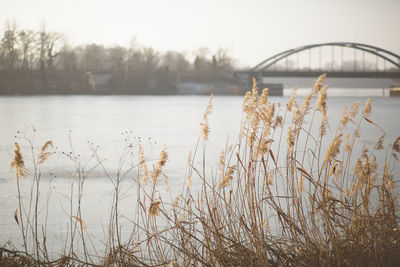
345	74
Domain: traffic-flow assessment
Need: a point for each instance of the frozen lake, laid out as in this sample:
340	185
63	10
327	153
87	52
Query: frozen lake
110	123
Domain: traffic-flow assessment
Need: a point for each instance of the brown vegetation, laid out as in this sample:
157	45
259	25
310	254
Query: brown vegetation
312	202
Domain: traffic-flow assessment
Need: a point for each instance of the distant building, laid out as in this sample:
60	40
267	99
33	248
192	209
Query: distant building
101	81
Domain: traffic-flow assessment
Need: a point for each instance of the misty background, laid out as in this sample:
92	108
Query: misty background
251	30
171	47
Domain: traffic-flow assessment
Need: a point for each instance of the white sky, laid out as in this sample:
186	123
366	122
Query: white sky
251	29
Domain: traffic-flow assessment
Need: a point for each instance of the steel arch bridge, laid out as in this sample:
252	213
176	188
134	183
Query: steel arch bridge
265	68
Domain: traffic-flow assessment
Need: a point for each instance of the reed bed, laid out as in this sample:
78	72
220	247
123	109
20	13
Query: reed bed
291	191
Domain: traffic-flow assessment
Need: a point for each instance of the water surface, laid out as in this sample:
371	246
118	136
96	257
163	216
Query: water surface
109	124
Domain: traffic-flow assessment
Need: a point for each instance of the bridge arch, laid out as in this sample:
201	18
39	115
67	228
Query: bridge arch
377	51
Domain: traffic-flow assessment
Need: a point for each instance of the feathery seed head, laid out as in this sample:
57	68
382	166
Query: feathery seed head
318	84
221	160
297	115
396	145
204	130
347	147
367	108
227	177
142	166
245	105
175	203
278	121
263	144
251	136
379	144
289	104
290	138
18	162
268	179
322	129
154	208
354	110
387	177
357	167
163	156
157	168
321	102
268	113
345	117
204	125
373	165
209	107
264	97
333	148
43	155
254	88
306	103
336	169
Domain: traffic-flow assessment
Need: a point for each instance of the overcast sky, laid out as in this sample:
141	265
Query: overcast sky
251	29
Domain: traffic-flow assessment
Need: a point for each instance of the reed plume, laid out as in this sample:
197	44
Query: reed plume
321	103
264	97
245	105
289	104
142	166
333	149
318	84
345	116
354	110
204	125
367	108
305	106
396	145
18	163
379	144
326	208
157	168
43	154
225	181
154	208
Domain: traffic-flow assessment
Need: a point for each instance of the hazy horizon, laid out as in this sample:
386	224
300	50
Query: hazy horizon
251	30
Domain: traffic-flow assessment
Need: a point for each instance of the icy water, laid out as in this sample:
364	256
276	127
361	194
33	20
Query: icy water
78	125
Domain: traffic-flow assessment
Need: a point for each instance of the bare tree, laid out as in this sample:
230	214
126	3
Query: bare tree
201	63
67	59
176	62
116	57
53	48
8	46
26	41
48	47
151	60
224	61
94	58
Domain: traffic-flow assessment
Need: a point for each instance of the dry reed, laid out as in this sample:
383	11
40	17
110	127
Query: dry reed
321	202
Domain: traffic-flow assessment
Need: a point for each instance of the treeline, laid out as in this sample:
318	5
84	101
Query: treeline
42	62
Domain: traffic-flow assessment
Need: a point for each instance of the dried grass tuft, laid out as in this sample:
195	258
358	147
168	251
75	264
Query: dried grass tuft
18	163
43	154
